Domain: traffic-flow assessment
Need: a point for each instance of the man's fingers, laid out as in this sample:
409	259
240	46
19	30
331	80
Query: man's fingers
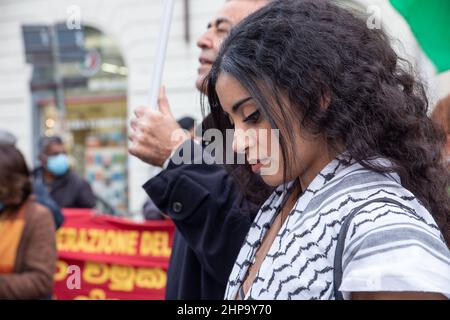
143	152
140	111
132	137
135	147
134	150
163	102
134	123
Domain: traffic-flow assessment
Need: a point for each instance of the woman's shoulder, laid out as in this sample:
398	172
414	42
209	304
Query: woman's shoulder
394	223
37	213
379	198
393	206
397	246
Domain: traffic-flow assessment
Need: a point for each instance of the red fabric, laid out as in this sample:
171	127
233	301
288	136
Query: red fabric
116	258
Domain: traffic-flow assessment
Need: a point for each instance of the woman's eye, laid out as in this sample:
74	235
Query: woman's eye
253	118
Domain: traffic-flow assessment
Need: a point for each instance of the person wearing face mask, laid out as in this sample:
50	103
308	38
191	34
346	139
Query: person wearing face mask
66	188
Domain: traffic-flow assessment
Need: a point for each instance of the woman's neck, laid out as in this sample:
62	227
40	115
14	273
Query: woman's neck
310	173
293	196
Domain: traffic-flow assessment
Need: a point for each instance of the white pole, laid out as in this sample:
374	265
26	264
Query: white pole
161	52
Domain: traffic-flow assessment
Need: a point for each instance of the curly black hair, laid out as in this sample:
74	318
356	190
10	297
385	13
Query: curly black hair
314	52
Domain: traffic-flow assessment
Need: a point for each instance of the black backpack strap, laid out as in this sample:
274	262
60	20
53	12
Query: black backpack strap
338	272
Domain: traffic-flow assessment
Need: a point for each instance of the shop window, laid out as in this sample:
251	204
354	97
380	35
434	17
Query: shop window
79	93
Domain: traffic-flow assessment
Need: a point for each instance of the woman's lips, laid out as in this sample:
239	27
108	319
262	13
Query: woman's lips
256	168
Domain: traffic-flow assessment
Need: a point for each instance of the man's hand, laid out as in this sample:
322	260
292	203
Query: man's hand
154	134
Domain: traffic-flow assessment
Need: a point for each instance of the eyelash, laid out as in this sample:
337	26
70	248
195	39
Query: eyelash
253	118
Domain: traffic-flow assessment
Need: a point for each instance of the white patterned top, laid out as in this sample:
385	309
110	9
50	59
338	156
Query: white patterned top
388	247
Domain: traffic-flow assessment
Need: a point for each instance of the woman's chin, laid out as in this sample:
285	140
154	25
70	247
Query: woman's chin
272	180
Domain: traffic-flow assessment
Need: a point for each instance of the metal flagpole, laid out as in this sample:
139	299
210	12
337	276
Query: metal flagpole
161	52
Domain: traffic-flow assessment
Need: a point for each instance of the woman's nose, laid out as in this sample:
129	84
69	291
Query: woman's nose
242	140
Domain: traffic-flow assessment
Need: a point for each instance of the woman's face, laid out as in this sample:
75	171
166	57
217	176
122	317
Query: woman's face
253	136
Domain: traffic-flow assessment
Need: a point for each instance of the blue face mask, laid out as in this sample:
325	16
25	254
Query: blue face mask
58	165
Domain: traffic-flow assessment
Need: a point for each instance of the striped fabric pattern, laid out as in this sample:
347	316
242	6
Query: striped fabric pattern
388	247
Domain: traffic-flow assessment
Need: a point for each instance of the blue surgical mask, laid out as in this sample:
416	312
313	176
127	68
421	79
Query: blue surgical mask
58	165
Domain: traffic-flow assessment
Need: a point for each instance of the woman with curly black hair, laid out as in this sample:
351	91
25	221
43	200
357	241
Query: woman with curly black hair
361	208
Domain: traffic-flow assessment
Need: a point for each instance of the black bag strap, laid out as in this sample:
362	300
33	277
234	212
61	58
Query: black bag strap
338	272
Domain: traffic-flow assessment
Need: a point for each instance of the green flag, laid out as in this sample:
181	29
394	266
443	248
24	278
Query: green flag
430	22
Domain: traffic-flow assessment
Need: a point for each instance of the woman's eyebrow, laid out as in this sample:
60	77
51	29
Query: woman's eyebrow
238	104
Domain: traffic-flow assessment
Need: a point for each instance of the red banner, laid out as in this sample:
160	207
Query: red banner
104	257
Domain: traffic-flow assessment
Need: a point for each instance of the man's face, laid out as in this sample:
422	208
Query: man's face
53	149
218	29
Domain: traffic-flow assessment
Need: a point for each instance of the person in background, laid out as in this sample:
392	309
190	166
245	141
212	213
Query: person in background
188	124
39	191
441	116
7	137
65	186
27	233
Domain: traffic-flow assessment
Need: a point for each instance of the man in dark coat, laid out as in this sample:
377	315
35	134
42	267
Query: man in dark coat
66	188
211	214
